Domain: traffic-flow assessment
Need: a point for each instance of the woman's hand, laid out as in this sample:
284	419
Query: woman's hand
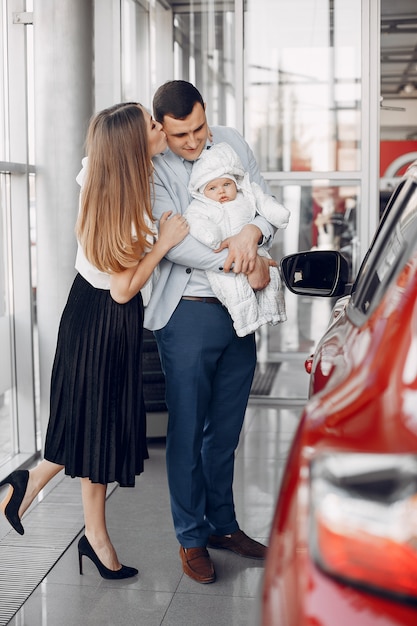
172	229
260	277
126	284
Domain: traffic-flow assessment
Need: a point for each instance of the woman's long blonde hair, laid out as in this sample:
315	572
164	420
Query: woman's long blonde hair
116	194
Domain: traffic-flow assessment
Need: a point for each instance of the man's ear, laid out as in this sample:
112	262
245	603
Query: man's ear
204	106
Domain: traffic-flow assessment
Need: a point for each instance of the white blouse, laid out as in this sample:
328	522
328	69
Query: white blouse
96	278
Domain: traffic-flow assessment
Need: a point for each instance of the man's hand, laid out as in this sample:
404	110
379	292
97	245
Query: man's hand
243	250
260	278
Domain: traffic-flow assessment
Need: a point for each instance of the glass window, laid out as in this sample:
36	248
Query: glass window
7	446
303	91
323	216
398	88
17	386
395	241
135	65
204	54
317	205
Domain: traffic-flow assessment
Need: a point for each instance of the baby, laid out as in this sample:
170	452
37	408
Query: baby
224	201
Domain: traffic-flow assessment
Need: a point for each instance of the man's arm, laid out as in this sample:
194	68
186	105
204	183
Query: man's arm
170	194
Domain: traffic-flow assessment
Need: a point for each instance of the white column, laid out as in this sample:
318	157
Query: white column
63	38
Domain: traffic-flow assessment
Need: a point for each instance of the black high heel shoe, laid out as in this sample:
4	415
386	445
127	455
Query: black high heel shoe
85	549
19	481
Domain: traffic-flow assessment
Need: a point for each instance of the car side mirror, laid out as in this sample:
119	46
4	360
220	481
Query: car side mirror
316	273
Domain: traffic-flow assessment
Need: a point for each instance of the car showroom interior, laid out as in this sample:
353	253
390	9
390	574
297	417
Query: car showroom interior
323	95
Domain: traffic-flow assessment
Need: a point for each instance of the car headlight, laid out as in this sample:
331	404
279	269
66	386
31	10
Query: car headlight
363	523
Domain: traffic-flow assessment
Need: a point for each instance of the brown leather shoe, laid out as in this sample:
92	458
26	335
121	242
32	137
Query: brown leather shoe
239	543
197	564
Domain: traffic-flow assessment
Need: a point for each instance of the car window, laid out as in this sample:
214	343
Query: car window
394	243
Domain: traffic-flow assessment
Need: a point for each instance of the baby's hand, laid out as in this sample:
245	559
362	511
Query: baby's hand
172	228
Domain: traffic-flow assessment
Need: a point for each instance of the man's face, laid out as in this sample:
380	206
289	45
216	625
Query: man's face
187	137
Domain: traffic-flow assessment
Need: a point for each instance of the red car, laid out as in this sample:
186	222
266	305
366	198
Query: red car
343	543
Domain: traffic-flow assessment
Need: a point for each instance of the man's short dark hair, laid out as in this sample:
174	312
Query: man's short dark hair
175	98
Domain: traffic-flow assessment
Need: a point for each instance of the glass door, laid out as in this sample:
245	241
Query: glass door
17	380
7	396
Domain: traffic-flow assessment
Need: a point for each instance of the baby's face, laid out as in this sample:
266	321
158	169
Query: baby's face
221	190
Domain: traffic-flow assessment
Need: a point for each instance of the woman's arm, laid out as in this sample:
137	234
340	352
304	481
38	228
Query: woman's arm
126	284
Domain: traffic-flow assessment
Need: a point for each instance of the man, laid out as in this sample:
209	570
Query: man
208	369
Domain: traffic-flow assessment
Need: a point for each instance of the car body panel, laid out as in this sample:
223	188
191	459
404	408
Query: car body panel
363	399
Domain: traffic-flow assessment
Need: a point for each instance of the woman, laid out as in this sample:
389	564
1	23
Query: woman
97	427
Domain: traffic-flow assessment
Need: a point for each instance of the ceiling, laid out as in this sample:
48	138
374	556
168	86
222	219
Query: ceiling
398	49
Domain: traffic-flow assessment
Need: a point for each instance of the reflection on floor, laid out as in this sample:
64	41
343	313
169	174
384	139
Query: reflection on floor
141	528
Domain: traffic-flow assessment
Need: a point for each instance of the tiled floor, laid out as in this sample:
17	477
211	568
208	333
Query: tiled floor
141	528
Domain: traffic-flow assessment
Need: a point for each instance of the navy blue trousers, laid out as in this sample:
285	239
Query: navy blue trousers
209	372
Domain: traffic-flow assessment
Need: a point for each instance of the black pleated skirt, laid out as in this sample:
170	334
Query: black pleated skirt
97	424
